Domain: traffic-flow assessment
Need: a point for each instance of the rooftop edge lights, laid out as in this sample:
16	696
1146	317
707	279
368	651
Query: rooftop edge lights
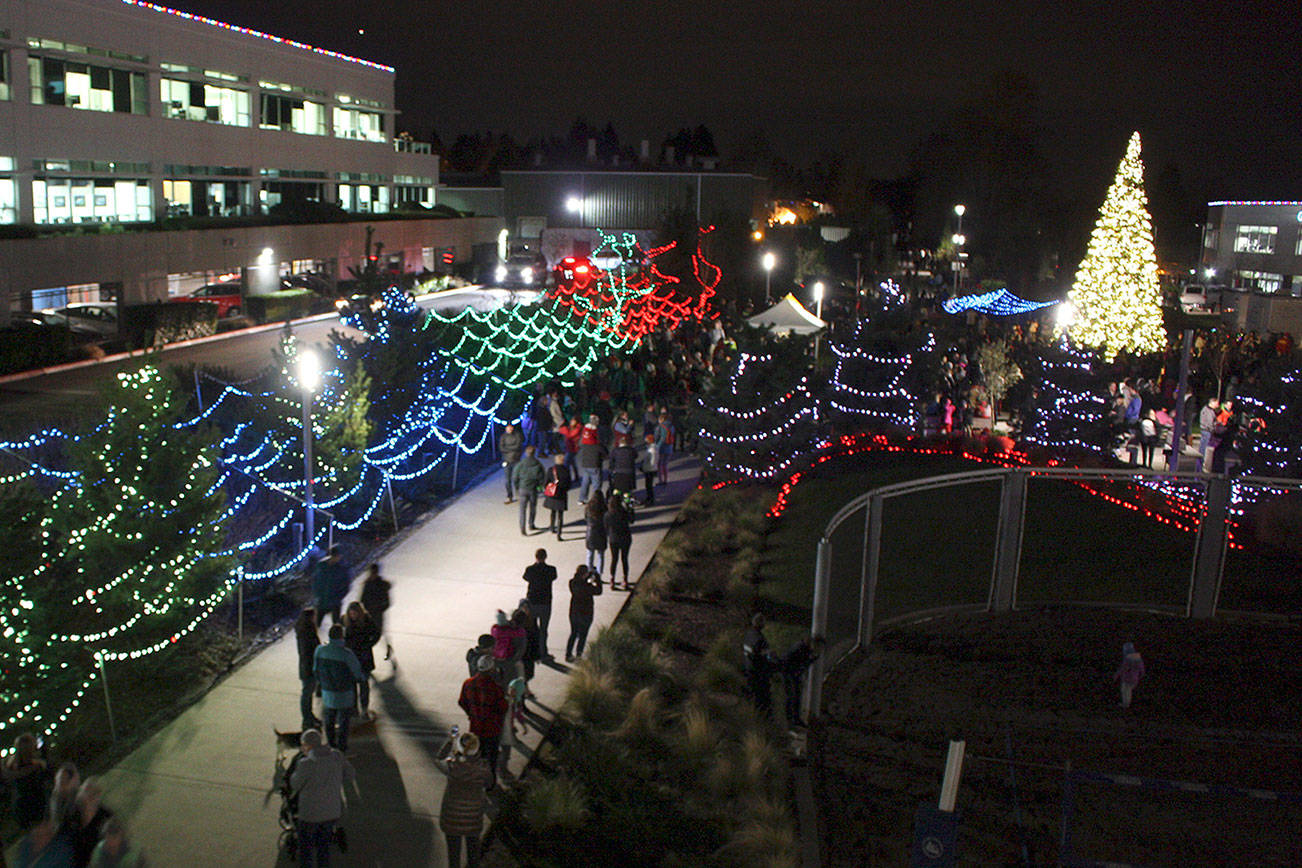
1252	202
249	31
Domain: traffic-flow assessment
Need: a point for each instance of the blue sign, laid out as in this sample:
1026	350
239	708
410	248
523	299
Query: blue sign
935	838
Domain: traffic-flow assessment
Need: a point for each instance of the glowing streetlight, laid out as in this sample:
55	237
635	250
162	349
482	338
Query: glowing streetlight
1065	315
959	240
768	261
574	204
309	379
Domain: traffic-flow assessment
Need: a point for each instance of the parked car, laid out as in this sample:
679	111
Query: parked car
90	317
574	273
229	297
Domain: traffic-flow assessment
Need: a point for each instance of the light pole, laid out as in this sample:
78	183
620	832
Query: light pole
309	377
768	262
959	240
574	204
818	300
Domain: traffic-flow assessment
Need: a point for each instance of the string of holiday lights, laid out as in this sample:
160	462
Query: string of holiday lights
998	302
869	385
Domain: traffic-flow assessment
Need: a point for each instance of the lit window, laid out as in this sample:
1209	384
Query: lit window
91	200
351	123
292	114
4	75
1255	239
85	86
1261	281
190	100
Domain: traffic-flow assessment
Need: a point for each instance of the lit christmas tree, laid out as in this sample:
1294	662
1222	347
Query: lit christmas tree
880	376
1117	301
1068	410
1271	419
762	418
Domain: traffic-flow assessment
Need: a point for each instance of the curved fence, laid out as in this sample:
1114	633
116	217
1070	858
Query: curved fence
1023	536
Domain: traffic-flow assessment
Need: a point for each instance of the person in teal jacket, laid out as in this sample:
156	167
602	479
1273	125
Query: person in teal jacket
338	672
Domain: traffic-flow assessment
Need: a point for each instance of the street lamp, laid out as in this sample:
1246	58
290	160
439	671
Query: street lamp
309	378
768	262
959	240
819	289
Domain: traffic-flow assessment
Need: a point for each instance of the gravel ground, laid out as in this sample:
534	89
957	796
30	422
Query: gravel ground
1220	705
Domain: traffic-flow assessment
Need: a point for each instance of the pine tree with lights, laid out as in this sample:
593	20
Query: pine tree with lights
762	418
21	508
134	553
1117	300
880	377
1270	408
1069	410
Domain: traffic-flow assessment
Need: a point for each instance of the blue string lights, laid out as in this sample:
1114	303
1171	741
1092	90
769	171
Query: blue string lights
998	302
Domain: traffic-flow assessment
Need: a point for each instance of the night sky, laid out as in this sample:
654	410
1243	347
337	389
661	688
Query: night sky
1215	88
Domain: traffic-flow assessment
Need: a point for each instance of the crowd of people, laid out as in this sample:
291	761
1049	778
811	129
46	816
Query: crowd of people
63	818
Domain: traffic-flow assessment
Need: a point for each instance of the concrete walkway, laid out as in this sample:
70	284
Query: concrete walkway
200	792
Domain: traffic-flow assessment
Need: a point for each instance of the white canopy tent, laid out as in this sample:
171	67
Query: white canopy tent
788	316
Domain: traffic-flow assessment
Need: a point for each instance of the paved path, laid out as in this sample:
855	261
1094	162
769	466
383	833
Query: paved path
200	791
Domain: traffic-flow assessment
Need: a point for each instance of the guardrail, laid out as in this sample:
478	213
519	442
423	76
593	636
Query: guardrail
1214	526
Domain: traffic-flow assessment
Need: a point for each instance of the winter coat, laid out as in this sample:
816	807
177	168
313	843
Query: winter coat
528	476
591	456
360	638
508	639
308	642
561	474
539	577
330	583
462	812
375	599
337	670
581	593
596	538
623	468
618	527
511	445
1131	669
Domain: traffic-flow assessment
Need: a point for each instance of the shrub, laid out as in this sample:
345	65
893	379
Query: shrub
555	804
24	348
625	654
593	697
700	734
277	306
160	323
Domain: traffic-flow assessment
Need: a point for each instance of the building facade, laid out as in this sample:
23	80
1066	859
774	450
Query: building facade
122	112
1254	247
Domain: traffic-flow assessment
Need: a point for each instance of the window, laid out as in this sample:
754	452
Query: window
352	123
195	101
1297	251
1255	239
292	114
4	75
91	200
186	198
1261	281
83	86
364	198
8	200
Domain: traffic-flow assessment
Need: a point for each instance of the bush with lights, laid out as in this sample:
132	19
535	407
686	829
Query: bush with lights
882	371
1068	404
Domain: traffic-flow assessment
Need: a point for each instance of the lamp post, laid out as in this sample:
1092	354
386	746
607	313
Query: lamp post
959	240
309	377
574	204
819	289
768	262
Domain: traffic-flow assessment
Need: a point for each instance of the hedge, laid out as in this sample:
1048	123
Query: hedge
159	323
277	306
24	348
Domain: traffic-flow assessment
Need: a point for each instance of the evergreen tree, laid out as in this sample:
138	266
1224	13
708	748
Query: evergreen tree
762	418
1067	409
1270	407
881	375
1118	304
135	551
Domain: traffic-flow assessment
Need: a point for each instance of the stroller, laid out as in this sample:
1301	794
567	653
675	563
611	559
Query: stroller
289	810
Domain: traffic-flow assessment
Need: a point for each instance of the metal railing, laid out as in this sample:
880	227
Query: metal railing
1214	523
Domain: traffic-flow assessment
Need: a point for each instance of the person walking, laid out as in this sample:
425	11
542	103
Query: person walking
794	664
619	536
594	515
510	445
585	585
115	849
461	815
664	446
1129	673
330	583
337	670
540	576
89	819
318	780
360	636
484	702
1206	422
590	458
27	778
649	460
376	600
528	478
623	466
305	633
556	493
758	664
